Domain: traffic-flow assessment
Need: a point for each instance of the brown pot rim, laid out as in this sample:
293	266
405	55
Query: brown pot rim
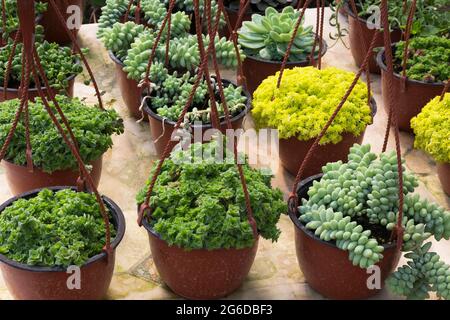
118	220
37	168
290	63
302	190
243	113
34	89
382	65
150	230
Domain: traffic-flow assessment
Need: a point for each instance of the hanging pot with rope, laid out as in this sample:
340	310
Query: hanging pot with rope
42	271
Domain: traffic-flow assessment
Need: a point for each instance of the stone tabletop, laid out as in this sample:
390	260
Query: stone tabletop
275	273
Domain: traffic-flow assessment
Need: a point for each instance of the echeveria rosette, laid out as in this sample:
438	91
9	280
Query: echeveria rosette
432	129
428	59
200	204
366	187
52	229
305	102
267	37
91	126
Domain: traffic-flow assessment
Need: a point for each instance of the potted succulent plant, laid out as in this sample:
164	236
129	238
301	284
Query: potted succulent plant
37	245
12	20
54	30
61	67
300	108
432	129
265	40
52	160
429	19
200	237
255	6
345	221
130	46
427	68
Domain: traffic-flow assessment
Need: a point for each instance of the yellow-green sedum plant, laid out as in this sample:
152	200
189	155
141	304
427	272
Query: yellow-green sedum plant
432	129
306	100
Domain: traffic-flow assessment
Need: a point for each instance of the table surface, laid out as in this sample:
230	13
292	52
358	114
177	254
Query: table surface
275	273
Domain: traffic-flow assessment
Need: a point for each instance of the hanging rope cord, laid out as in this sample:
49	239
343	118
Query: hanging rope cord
33	67
293	198
145	208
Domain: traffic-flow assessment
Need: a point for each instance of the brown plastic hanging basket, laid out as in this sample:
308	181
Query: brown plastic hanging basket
32	282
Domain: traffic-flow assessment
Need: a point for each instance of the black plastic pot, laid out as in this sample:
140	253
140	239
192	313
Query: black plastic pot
326	268
162	129
50	283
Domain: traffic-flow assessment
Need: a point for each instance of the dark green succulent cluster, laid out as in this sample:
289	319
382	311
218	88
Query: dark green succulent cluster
199	202
428	59
59	64
12	18
424	273
53	229
91	126
366	187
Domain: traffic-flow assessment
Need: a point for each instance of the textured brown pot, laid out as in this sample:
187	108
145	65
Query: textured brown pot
443	170
131	93
13	93
410	99
50	283
293	151
200	274
161	131
54	31
357	46
256	69
327	269
20	180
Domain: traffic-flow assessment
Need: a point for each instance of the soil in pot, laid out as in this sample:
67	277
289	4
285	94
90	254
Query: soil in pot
131	93
357	46
20	180
200	274
408	99
27	282
443	170
54	30
12	92
162	129
327	269
293	151
257	69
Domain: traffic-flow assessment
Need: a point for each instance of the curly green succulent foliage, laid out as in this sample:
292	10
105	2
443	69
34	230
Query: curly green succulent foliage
428	59
268	36
119	38
59	64
53	229
432	129
367	186
91	126
112	12
12	18
425	272
198	202
305	102
261	5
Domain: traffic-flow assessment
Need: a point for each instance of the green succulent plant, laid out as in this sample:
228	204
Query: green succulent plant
59	64
306	100
12	18
200	204
432	129
425	272
268	36
119	38
91	126
53	229
353	199
428	59
261	5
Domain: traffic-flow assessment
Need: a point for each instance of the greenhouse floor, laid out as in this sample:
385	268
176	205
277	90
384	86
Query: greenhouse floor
275	273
